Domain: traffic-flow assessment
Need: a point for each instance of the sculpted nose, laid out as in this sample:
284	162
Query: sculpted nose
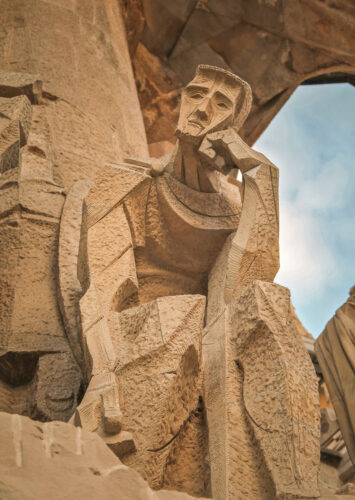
202	110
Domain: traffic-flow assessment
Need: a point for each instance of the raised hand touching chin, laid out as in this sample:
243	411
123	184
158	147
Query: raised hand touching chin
225	149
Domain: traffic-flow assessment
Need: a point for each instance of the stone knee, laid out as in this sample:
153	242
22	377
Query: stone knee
279	388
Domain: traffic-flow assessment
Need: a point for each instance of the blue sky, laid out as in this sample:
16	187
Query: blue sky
312	141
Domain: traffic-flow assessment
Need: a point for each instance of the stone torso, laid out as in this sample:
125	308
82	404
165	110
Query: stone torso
184	231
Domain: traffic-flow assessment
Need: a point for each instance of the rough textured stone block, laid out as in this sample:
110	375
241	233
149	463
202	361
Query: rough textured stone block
54	459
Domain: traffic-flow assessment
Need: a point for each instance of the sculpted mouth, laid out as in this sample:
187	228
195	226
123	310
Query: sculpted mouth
197	124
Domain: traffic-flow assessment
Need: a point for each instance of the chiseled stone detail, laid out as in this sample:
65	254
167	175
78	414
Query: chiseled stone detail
262	400
39	375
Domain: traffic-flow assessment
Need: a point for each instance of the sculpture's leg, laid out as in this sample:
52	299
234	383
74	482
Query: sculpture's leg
234	460
159	373
262	409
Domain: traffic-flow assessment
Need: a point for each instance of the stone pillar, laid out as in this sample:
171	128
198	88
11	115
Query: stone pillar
78	49
84	115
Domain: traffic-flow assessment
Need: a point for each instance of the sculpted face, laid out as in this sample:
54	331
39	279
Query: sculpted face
208	104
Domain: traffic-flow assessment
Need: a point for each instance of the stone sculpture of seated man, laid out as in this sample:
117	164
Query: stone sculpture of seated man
196	375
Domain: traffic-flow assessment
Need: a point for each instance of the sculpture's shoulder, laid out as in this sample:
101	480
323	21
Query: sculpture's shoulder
112	186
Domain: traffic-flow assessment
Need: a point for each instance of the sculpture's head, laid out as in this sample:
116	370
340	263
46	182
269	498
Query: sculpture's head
214	100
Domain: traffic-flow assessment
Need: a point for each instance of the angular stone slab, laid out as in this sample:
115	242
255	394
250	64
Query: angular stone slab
58	460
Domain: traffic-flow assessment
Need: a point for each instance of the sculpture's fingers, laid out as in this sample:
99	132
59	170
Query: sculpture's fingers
207	151
215	149
223	137
216	136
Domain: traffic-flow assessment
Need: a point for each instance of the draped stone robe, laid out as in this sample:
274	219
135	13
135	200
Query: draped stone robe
160	262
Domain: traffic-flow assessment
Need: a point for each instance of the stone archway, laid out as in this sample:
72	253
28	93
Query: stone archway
274	45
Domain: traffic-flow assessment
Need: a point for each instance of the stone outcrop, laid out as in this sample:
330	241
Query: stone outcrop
38	375
57	460
294	41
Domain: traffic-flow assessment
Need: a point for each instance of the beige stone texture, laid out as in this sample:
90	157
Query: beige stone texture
335	349
79	51
16	114
15	84
69	287
57	460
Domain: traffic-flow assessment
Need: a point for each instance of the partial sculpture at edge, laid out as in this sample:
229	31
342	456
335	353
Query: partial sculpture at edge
335	349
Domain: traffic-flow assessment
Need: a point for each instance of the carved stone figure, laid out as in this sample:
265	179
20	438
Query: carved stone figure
335	349
187	344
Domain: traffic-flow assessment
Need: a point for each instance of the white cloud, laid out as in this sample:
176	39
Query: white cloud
312	141
306	264
329	188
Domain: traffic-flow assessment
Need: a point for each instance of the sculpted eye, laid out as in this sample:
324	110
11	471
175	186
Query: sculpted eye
222	105
196	96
